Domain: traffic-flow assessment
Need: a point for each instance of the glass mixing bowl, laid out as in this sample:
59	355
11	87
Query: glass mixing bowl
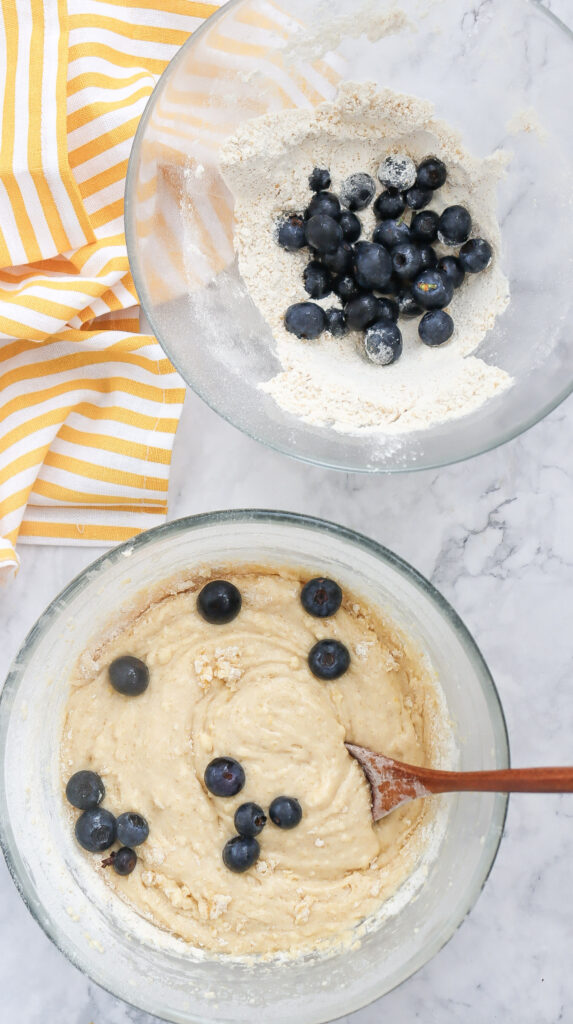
500	72
104	937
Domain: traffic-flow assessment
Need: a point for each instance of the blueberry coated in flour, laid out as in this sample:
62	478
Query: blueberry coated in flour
436	327
85	790
424	226
305	320
96	830
361	312
132	828
321	597
454	225
285	812
389	205
383	343
391	232
224	776
124	860
432	173
345	286
324	203
416	197
240	853
328	659
129	675
336	322
250	819
432	290
351	226
357	191
398	172
451	267
323	233
340	261
317	280
475	255
372	265
319	179
219	602
406	261
291	234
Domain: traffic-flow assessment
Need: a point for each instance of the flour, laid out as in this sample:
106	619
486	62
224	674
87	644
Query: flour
329	382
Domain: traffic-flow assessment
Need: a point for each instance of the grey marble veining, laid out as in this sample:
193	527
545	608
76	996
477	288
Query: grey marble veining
495	536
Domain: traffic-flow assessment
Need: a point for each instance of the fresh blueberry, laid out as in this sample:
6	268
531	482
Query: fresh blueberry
451	267
224	776
132	829
475	255
424	226
432	290
407	304
394	286
291	233
416	197
398	172
389	205
388	310
383	343
432	173
351	226
250	819
323	233
321	597
219	602
339	261
372	265
357	191
361	312
285	812
454	225
329	659
317	280
85	790
319	179
346	287
124	860
391	232
305	319
240	853
95	830
436	327
406	261
428	257
324	203
129	675
336	322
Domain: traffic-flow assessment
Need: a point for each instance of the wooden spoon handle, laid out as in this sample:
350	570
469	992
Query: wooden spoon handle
508	780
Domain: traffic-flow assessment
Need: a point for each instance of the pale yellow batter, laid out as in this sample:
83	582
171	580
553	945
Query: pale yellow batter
245	690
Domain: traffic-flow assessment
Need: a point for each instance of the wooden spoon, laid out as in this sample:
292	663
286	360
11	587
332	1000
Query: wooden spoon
394	783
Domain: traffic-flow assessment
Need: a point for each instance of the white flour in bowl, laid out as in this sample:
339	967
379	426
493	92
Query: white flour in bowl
328	381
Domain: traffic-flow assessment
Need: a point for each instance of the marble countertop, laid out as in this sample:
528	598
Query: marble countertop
494	535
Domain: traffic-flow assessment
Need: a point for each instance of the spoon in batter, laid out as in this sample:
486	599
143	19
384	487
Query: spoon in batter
394	783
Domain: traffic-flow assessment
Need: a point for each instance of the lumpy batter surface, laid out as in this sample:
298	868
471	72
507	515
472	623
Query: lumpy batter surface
245	690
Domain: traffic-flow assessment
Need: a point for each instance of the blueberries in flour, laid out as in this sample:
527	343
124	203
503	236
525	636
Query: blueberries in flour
383	343
475	255
319	179
323	204
436	327
454	225
336	322
351	226
291	234
306	320
357	191
397	172
323	233
317	280
432	173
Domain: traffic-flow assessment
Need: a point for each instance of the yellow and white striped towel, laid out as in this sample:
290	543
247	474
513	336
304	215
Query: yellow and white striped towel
88	405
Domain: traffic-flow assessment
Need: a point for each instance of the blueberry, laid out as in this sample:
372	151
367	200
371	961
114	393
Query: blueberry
407	304
451	267
397	172
250	819
132	829
406	261
351	226
224	776
372	265
428	257
394	286
240	853
454	225
323	233
95	830
357	191
391	232
388	310
432	290
424	226
339	261
432	173
416	198
383	343
129	675
305	319
389	205
285	812
291	233
475	255
324	203
317	280
336	322
85	790
361	312
124	861
319	179
219	602
346	287
328	659
321	597
436	327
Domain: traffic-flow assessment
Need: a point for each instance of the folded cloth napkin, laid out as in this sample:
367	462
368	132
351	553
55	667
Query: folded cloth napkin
88	405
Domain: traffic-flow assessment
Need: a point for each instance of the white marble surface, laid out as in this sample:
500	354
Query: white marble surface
495	536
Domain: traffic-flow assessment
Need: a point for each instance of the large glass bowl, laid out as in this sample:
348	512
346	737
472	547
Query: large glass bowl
500	72
104	937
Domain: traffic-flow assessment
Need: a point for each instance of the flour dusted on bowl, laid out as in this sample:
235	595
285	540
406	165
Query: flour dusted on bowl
328	381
